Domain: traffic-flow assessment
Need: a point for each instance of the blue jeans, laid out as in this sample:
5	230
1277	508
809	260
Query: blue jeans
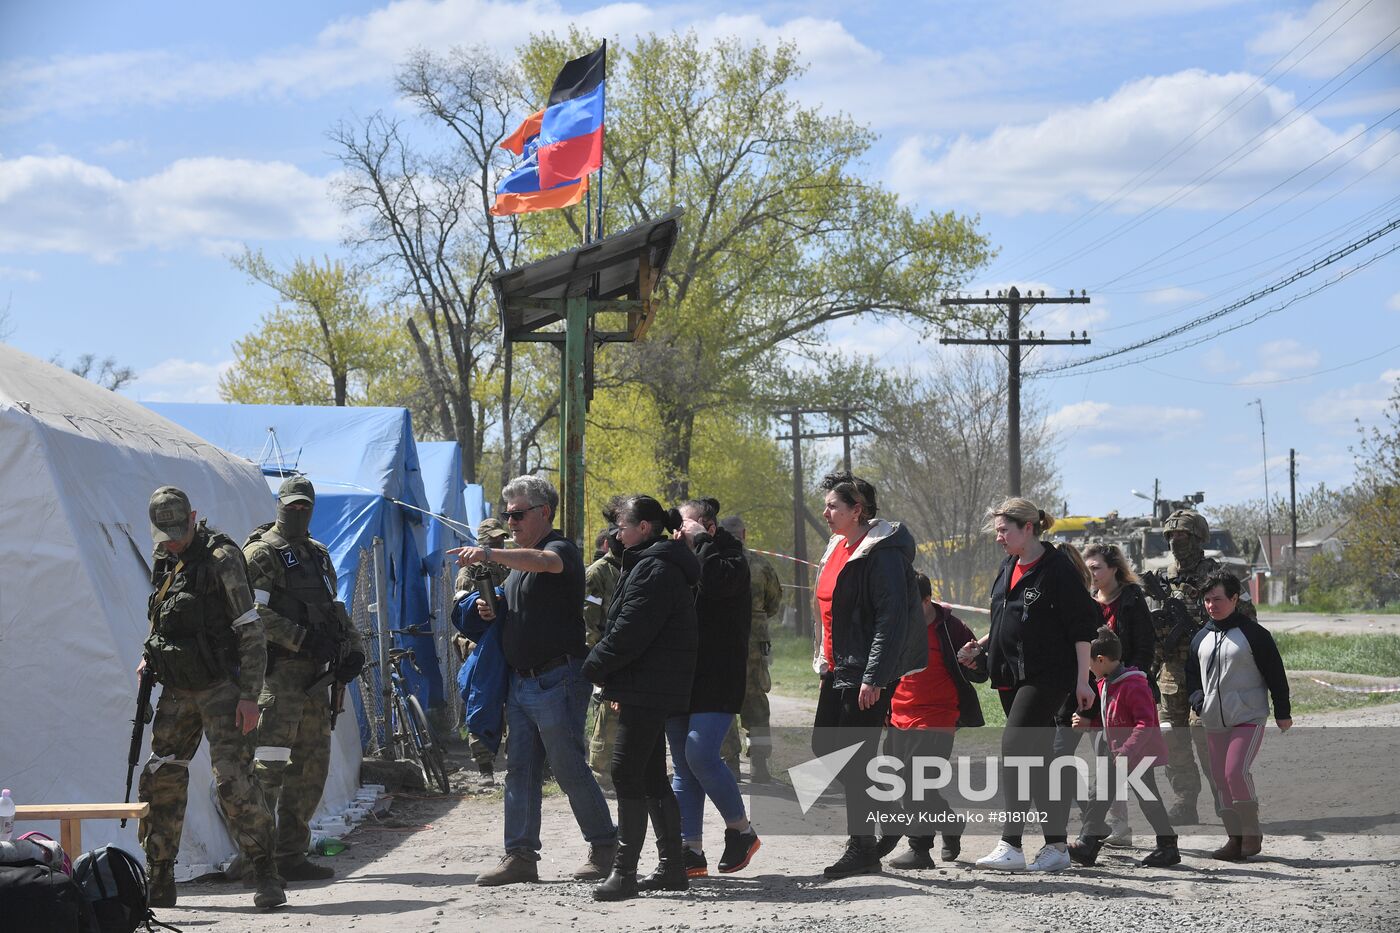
700	771
544	716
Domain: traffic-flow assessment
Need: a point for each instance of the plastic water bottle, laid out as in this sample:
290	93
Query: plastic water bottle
326	844
7	815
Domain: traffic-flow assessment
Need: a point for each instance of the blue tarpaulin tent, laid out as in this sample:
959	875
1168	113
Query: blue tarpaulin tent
441	463
364	464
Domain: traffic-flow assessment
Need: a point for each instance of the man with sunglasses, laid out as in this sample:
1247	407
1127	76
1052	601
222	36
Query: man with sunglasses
544	640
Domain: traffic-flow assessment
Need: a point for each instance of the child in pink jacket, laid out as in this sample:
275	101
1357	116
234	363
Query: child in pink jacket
1130	725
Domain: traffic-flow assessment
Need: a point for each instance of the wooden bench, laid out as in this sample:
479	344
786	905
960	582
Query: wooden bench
70	818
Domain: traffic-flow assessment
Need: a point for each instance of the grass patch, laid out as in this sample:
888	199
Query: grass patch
1373	655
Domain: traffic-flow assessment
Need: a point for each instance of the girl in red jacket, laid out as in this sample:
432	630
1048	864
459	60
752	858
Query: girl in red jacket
1134	734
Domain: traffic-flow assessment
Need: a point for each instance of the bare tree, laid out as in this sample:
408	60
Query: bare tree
7	326
105	372
939	462
422	194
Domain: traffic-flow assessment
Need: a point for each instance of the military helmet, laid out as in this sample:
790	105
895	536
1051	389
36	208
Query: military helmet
296	489
1189	521
490	529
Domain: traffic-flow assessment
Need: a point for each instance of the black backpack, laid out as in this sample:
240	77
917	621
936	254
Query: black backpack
39	899
115	885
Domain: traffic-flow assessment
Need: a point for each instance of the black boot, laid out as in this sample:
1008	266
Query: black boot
1085	850
952	848
758	770
859	858
631	830
1165	854
670	874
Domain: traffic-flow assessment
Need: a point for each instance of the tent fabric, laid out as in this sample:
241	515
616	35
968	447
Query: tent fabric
441	463
77	467
364	464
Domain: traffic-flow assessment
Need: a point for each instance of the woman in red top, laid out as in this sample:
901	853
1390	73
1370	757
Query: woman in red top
926	708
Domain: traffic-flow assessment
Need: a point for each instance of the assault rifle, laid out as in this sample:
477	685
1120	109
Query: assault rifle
1177	617
143	716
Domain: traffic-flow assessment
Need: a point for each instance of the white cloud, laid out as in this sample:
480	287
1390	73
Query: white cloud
1174	296
1288	354
348	52
1341	33
16	274
1394	303
1086	153
1339	409
179	380
61	204
1103	450
1215	360
1126	419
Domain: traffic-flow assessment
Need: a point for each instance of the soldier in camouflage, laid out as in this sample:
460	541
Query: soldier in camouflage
767	595
1187	532
599	584
492	533
207	650
311	647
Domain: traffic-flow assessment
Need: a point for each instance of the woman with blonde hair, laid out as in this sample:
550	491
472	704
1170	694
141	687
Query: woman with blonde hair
1043	620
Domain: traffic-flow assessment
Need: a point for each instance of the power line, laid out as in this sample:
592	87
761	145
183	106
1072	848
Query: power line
1274	382
1232	307
1233	327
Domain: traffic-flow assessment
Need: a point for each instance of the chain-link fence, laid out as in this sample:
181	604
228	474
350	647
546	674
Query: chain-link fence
372	732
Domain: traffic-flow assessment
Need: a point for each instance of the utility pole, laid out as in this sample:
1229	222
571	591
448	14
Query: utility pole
1016	306
1293	520
800	516
1268	506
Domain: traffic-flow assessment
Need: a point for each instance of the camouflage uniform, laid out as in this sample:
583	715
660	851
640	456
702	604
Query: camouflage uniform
311	646
207	651
600	582
767	593
1187	574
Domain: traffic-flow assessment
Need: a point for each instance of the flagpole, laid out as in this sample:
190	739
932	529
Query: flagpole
602	156
587	215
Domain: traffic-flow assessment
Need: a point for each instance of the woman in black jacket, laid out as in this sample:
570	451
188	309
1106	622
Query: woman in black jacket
872	633
1043	620
723	610
1124	607
645	662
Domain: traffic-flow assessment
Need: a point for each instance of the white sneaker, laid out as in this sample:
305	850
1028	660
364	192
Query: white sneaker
1120	836
1005	857
1050	858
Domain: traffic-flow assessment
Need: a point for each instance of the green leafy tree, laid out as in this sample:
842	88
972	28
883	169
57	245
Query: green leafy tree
1372	538
782	236
324	343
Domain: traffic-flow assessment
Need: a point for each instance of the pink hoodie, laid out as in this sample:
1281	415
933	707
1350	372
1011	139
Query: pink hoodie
1130	717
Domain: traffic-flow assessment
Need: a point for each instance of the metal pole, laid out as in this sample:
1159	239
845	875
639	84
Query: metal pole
799	530
1268	505
574	409
380	608
1013	389
1293	520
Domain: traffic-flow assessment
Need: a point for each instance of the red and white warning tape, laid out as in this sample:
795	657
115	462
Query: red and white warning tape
810	564
1341	689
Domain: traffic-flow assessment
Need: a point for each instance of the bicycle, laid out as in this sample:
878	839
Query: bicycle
412	735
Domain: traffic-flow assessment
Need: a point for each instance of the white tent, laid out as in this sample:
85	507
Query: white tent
77	466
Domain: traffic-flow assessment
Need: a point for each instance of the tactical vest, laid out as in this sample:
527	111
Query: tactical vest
305	594
192	645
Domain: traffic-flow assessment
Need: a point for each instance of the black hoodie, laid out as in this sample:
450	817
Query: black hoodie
647	653
1036	624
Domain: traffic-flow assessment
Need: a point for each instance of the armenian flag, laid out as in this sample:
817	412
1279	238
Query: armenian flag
571	125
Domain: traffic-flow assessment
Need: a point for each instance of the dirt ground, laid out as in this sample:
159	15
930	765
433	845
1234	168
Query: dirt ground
416	871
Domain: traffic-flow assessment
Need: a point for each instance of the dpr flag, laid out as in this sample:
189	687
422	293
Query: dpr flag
571	130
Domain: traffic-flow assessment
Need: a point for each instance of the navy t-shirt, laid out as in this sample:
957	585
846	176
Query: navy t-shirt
546	609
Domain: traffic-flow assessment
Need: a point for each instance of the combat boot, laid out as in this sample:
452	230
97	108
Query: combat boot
758	770
271	892
599	863
1183	812
1085	850
161	884
303	869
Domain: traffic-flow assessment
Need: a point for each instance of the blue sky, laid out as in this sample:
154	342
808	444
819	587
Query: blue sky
141	144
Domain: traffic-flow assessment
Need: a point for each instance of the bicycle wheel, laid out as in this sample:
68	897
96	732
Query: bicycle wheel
405	744
430	751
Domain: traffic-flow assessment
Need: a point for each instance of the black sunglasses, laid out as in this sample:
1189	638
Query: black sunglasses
516	515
